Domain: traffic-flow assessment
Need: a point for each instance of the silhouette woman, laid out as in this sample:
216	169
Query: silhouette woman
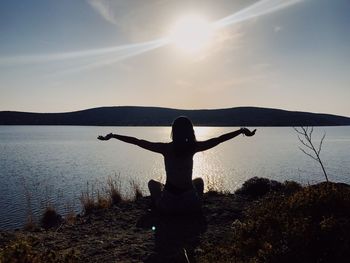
180	194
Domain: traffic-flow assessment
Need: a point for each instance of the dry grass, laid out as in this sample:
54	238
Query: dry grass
113	190
215	185
70	218
102	199
136	190
29	224
109	195
87	199
22	250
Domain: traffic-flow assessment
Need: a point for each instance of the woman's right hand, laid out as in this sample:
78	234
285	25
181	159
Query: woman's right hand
247	132
105	138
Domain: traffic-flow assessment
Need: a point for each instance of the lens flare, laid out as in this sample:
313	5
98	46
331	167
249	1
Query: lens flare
191	34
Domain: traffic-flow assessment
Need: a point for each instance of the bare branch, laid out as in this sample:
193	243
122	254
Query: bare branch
308	154
310	134
304	143
320	146
301	133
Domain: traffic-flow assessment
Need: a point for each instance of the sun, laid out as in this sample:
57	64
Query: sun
191	33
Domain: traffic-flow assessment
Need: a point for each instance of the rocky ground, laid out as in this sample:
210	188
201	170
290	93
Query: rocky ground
129	232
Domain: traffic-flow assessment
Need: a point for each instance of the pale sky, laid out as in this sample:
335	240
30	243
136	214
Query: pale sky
58	56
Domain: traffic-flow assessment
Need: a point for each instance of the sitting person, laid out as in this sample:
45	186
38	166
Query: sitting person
180	194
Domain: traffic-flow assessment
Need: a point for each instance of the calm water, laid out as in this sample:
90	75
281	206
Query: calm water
54	163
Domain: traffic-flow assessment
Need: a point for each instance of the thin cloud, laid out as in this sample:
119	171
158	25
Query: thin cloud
277	29
104	9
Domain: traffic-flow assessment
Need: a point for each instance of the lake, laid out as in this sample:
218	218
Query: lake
41	164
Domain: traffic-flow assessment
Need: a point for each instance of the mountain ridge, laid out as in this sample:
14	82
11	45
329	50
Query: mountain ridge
160	116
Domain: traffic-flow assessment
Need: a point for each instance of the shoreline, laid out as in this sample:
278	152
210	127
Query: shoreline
129	232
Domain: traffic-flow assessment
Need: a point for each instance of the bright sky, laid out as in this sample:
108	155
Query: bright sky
58	56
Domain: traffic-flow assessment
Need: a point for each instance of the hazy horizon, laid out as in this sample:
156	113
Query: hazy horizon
141	106
63	56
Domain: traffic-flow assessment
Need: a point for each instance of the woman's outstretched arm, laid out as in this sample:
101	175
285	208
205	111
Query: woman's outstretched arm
157	147
206	145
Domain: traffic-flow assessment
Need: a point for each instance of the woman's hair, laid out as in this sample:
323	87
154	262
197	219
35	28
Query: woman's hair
182	134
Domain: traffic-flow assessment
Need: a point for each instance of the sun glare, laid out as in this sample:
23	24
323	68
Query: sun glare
191	34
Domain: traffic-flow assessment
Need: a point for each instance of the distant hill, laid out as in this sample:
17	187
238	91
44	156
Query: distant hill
155	116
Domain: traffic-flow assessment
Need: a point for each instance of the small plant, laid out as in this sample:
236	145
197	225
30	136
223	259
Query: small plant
87	199
113	189
136	190
91	202
50	218
215	185
103	201
305	137
70	216
29	224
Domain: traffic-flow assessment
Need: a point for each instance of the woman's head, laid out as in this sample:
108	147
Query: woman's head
182	134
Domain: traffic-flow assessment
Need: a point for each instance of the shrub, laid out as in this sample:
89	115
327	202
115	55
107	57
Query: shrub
18	251
311	225
50	218
257	187
290	187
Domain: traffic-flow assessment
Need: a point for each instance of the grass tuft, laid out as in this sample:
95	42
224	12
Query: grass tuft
103	201
137	192
30	224
215	185
70	216
87	200
113	189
